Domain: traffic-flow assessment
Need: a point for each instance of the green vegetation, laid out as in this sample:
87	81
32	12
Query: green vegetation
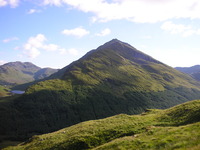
14	73
4	91
193	71
113	79
154	129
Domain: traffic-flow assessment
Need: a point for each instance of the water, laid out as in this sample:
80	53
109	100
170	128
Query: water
17	92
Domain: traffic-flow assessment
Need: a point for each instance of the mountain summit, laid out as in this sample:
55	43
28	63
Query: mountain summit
115	78
126	50
13	73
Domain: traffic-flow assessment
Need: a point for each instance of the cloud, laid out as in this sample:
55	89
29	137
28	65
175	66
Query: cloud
10	39
34	46
181	29
53	2
11	3
2	62
32	11
104	32
73	51
142	11
78	32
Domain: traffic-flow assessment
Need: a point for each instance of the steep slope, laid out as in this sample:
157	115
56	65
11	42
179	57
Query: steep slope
43	73
115	78
193	71
154	129
18	73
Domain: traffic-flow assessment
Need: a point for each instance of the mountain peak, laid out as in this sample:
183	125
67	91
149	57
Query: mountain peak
127	51
113	42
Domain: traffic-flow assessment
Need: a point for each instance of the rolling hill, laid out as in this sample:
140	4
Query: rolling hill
193	71
115	78
174	128
14	73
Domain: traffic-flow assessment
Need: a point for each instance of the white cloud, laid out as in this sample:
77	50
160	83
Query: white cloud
53	2
134	10
32	11
31	52
2	62
78	32
11	3
142	11
63	51
34	46
10	39
3	3
73	51
104	32
181	29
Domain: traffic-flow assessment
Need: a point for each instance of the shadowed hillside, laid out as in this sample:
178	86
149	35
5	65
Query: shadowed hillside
193	71
113	79
154	129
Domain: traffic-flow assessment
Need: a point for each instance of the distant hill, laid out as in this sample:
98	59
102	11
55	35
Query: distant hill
115	78
193	71
174	128
15	73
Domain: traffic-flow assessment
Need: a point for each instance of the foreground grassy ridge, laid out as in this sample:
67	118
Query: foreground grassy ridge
169	138
155	129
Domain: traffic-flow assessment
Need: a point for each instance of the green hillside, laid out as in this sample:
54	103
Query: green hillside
193	71
3	91
14	73
113	79
174	128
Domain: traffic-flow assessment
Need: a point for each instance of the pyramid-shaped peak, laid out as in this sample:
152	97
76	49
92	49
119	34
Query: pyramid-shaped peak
126	50
114	43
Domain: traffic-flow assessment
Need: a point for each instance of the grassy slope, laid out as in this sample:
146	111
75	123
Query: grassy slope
18	73
193	71
155	129
4	91
103	83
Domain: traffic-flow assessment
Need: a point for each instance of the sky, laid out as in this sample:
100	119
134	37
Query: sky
54	33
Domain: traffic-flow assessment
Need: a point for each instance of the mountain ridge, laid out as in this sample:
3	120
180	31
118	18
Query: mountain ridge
14	73
106	81
193	71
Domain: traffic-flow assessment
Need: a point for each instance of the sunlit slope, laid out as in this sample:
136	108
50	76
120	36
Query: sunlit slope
155	129
3	91
113	79
14	73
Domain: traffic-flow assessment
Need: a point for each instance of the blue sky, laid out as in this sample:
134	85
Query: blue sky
53	33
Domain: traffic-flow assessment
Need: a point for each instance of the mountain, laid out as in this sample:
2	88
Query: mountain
193	71
174	128
18	73
115	78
